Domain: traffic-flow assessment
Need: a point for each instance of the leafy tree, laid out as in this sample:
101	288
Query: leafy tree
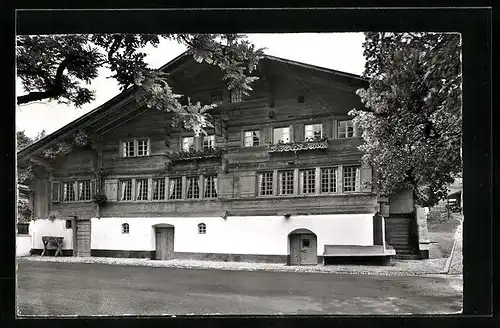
60	67
412	117
24	141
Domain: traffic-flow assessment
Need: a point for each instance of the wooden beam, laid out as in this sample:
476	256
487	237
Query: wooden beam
46	165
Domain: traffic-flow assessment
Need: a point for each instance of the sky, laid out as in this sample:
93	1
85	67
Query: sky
339	51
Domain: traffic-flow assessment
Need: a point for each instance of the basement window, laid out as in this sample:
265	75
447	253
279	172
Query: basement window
305	242
301	99
202	228
68	224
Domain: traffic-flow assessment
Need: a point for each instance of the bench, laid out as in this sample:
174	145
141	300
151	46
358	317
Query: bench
372	254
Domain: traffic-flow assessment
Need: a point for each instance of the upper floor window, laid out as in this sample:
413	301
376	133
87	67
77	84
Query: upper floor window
266	184
159	189
175	188
281	135
136	147
209	142
236	96
69	191
125	228
345	129
285	182
126	190
313	131
84	190
308	181
328	180
216	97
252	138
188	143
193	188
210	187
202	228
350	178
142	186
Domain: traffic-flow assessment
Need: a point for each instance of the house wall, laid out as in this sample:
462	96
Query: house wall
55	228
258	235
23	245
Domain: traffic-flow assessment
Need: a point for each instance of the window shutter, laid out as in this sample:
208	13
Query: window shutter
93	187
335	127
266	135
357	183
56	191
340	185
111	190
357	130
292	134
327	129
299	132
366	175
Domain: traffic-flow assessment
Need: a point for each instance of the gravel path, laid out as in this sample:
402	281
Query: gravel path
397	268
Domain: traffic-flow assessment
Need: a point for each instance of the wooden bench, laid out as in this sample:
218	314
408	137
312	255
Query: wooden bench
358	254
57	241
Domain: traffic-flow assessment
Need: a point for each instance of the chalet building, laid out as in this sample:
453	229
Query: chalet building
279	178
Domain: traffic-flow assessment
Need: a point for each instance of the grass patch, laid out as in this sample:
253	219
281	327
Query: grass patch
441	236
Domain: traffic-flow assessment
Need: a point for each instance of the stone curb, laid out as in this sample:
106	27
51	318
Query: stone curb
149	263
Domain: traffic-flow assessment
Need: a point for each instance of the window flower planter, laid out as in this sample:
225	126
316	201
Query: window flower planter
320	143
211	153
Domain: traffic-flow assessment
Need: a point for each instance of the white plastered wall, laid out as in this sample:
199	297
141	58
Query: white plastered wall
259	235
56	228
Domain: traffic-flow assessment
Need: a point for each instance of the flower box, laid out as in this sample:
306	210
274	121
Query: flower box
298	146
210	153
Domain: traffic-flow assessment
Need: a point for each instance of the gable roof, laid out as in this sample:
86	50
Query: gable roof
127	95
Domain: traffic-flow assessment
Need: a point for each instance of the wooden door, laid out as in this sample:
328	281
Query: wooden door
164	243
294	249
308	249
82	245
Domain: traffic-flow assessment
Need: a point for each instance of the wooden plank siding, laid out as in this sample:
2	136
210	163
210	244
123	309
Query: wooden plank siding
273	103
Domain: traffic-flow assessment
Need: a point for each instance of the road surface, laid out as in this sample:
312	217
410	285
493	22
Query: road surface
46	288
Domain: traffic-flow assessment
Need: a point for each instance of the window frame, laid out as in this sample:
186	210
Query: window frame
213	185
354	178
216	93
193	144
211	141
275	142
346	132
125	228
75	191
137	192
252	138
135	143
132	191
260	185
312	125
162	196
237	95
302	181
197	183
282	180
178	187
202	228
331	179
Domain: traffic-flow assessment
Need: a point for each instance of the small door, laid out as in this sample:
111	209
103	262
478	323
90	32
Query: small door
82	245
164	243
308	249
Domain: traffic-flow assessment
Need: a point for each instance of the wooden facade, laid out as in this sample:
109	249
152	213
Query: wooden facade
287	95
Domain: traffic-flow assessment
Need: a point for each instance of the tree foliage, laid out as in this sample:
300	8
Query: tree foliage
412	117
60	67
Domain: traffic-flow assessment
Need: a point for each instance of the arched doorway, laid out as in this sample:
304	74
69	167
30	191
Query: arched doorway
303	247
164	241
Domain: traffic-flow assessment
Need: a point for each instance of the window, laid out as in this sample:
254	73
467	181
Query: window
188	143
346	129
281	135
252	138
301	99
128	149
125	228
210	187
142	147
216	97
68	224
136	147
208	142
313	131
193	188
350	177
159	189
266	183
285	182
236	96
175	188
202	228
305	243
126	190
141	188
69	192
308	181
328	180
84	190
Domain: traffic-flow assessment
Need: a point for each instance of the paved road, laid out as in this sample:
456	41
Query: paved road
98	289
